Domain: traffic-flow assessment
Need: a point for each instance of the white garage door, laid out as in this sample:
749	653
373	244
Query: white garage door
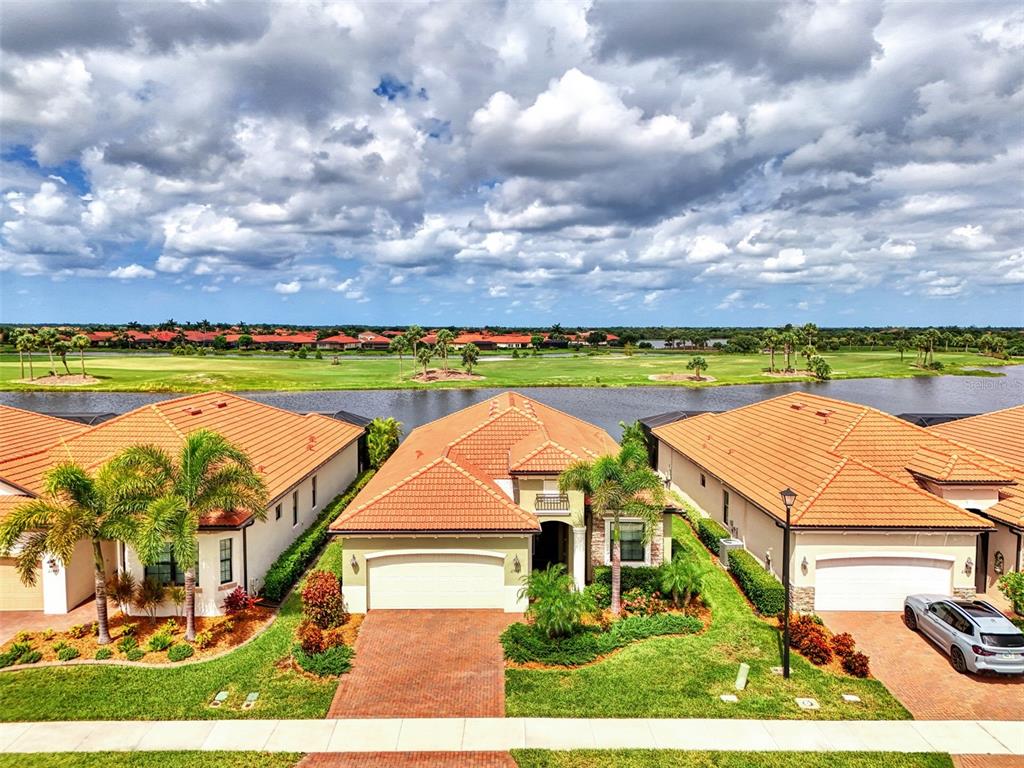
877	583
436	580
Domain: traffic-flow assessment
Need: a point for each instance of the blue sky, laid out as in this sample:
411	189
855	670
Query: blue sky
592	163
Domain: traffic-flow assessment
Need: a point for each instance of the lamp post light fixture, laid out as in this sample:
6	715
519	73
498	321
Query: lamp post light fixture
788	498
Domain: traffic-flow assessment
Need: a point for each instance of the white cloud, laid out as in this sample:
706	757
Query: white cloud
788	259
289	288
131	272
971	237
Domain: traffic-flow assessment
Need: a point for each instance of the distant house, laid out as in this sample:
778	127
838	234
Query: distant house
339	341
482	342
371	340
305	461
511	340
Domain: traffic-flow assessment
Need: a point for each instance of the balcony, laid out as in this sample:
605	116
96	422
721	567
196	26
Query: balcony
551	502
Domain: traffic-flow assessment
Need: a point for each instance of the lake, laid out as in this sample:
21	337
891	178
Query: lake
605	407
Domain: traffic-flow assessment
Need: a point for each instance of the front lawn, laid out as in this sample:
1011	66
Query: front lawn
648	758
181	693
150	760
684	676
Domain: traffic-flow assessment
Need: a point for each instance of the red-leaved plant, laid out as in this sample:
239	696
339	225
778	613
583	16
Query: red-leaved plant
843	645
856	664
321	600
238	600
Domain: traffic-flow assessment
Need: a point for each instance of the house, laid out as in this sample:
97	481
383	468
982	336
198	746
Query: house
481	341
371	340
884	508
999	434
511	340
305	460
338	341
469	504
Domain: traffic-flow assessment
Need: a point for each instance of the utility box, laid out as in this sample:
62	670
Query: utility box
725	546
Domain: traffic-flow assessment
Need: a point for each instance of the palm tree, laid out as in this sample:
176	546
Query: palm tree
770	340
399	346
789	340
901	347
808	352
208	474
27	342
80	342
444	345
470	354
15	335
423	358
698	364
617	486
382	438
967	339
810	333
682	577
633	433
413	334
62	347
48	337
76	506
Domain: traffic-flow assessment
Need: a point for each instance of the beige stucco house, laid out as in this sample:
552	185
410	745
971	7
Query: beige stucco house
469	504
884	508
305	460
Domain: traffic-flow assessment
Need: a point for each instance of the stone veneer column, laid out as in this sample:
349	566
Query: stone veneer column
579	556
801	599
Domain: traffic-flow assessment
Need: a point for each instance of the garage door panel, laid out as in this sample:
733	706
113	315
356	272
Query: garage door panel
877	583
435	581
14	595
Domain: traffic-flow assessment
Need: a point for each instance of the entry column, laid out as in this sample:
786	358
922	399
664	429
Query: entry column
579	556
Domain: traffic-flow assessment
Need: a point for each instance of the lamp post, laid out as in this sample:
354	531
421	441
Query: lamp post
788	498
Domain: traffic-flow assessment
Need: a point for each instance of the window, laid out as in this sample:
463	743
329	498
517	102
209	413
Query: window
277	512
165	570
632	549
725	506
314	491
225	561
295	508
703	481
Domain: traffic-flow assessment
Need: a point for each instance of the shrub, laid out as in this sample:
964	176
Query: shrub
761	588
710	533
293	561
67	653
204	639
135	654
149	596
321	600
556	606
161	641
856	664
19	653
238	600
103	654
127	644
1012	586
129	629
23	636
49	634
333	637
682	577
170	627
643	577
179	652
816	648
311	637
78	631
599	593
121	589
843	644
637	602
334	661
30	658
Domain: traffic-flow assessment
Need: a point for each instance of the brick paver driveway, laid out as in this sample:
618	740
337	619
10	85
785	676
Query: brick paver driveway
920	675
426	664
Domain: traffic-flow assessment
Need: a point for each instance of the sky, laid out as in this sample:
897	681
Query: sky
587	163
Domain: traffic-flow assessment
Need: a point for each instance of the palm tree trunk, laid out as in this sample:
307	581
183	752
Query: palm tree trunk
616	573
21	362
31	372
53	365
81	352
101	593
190	604
771	351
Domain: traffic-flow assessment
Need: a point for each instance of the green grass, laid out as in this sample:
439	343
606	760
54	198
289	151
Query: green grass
642	758
179	693
684	676
151	760
169	373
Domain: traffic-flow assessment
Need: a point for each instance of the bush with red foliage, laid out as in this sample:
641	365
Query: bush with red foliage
321	600
333	637
856	664
636	602
843	644
238	600
311	637
816	648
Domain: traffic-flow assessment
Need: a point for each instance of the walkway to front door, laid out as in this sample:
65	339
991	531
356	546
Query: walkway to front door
426	664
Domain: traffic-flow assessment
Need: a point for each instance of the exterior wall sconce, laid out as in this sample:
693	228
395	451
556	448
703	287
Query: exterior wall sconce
968	566
54	566
516	565
998	562
355	563
803	566
767	561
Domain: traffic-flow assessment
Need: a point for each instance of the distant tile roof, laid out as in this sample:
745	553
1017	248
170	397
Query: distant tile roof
284	446
851	465
443	477
339	338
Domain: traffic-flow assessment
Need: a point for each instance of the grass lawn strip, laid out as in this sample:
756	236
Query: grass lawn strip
150	760
626	758
177	373
684	676
181	693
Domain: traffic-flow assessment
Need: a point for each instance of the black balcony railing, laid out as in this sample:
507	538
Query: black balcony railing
551	502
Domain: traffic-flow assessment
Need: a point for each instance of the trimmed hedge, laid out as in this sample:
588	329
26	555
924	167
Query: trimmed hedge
646	578
710	533
524	642
287	569
764	590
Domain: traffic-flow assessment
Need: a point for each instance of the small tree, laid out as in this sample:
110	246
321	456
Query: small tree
61	347
399	346
245	341
150	596
443	346
536	341
820	368
413	334
633	433
80	342
808	352
697	364
902	346
682	578
382	438
770	341
121	589
423	357
470	354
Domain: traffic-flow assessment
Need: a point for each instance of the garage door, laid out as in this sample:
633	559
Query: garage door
15	596
441	580
877	583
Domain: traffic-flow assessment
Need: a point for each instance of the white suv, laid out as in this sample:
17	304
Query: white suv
975	634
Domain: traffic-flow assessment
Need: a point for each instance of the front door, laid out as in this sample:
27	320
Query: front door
981	564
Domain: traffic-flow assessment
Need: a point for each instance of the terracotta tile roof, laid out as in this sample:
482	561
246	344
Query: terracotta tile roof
848	463
339	338
284	446
23	431
443	477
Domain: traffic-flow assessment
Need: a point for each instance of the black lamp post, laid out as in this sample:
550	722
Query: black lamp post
788	498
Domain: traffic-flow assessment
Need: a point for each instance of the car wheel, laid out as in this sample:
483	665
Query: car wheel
956	657
910	618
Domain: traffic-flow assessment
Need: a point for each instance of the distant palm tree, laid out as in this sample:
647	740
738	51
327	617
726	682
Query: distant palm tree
208	474
770	340
413	334
423	357
48	337
16	334
470	354
443	345
966	340
808	352
810	334
619	486
902	346
399	346
76	506
62	347
80	342
27	342
697	364
789	340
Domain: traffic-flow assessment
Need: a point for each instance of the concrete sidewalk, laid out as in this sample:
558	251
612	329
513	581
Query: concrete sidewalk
958	737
